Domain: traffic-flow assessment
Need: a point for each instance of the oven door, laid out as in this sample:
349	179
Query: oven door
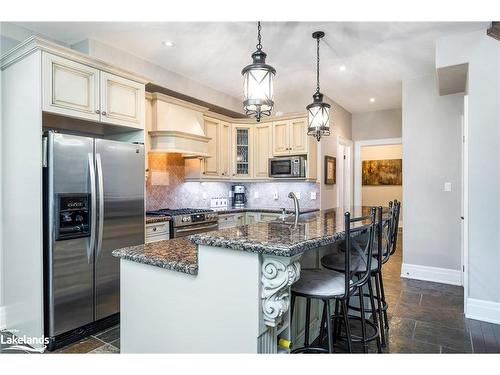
189	230
281	167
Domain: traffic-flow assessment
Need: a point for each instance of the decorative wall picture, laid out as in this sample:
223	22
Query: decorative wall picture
383	172
330	170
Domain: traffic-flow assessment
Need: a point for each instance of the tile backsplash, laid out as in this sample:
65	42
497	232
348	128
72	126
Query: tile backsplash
166	188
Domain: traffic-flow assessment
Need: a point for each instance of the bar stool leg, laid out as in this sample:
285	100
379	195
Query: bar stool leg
329	331
363	323
375	320
292	305
323	324
382	293
380	309
308	317
336	322
346	322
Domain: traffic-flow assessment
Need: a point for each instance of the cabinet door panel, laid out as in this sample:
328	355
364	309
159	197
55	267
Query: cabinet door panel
211	163
225	150
281	138
70	88
263	150
122	101
242	151
298	136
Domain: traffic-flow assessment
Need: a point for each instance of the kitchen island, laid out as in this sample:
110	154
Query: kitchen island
226	291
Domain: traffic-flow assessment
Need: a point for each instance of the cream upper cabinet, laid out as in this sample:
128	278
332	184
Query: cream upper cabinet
263	149
242	150
281	138
211	164
78	90
70	88
225	149
290	137
122	101
298	136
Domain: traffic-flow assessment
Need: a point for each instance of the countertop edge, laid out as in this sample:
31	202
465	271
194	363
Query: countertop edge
190	269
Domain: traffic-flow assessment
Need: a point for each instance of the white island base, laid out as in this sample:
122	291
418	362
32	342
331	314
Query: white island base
237	303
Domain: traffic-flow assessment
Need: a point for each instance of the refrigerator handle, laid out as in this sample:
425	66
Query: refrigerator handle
93	208
100	189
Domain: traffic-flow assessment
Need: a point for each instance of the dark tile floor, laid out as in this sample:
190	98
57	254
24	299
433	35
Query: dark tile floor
424	317
427	317
106	342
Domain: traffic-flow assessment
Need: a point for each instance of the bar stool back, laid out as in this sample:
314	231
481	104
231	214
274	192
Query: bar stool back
328	285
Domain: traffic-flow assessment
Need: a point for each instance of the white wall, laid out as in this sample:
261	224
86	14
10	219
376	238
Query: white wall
376	125
482	53
341	123
431	157
381	195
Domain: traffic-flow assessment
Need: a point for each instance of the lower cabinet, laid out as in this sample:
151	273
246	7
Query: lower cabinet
157	231
252	217
227	221
268	217
245	218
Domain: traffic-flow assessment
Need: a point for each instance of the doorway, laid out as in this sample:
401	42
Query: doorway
379	193
344	172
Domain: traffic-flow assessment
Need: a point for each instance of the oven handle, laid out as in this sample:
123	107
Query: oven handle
196	228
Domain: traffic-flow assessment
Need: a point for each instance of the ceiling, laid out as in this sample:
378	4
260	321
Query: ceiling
377	55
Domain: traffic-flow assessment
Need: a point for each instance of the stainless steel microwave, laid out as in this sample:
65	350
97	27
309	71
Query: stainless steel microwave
288	167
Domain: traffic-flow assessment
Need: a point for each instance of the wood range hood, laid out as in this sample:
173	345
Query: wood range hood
177	126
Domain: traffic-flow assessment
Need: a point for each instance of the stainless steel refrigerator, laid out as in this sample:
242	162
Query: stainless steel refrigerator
94	204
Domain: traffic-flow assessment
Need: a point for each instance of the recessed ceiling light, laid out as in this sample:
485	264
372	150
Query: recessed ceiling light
372	100
342	68
168	43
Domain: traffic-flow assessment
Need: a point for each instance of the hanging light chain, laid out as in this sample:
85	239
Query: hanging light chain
317	66
259	38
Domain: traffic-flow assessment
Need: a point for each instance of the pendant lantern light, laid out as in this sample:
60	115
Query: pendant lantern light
258	83
318	112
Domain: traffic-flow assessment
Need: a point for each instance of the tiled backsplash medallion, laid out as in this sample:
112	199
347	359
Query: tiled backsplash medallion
166	188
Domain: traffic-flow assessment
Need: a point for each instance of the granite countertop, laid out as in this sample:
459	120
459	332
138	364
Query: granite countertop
150	219
272	210
178	254
315	229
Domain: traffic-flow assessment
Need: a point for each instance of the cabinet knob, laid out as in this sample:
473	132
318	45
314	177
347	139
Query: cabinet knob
97	111
104	113
154	229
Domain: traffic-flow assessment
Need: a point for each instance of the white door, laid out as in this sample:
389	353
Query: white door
344	173
122	101
70	88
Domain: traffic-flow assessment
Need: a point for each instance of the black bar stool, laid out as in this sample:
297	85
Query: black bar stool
389	250
362	268
327	285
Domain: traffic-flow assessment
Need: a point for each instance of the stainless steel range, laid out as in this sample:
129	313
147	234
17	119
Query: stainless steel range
188	221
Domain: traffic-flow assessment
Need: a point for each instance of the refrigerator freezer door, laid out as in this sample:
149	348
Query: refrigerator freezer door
70	263
120	172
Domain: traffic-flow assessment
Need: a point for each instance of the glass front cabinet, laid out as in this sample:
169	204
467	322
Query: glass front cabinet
242	138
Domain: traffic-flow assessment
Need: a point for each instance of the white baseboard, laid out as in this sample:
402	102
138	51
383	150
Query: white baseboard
2	318
486	311
435	274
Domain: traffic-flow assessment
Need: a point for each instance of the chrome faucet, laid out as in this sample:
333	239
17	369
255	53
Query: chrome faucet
295	206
